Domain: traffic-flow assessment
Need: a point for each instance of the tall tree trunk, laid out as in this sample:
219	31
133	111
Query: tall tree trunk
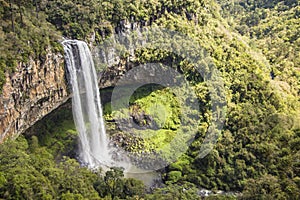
12	16
21	14
36	8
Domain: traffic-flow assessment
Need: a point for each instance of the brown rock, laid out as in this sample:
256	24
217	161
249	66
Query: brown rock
31	92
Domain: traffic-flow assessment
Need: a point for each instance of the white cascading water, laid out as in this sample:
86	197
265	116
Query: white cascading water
86	104
87	114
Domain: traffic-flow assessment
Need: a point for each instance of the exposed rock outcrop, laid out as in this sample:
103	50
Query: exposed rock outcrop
31	92
36	88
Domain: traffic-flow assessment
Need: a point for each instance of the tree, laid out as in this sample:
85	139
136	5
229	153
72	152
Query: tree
12	15
266	187
176	192
114	182
133	187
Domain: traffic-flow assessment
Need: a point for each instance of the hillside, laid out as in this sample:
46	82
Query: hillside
254	44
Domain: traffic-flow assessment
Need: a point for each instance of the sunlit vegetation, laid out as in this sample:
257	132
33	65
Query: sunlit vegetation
43	166
24	34
254	44
273	27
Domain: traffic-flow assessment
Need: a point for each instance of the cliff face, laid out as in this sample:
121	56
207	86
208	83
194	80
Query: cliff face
30	93
35	88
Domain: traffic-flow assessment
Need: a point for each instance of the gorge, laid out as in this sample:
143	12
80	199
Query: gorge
255	47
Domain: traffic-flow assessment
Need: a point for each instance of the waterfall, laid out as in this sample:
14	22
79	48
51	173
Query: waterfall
88	118
86	104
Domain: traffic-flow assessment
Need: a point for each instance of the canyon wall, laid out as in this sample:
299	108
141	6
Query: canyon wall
32	91
36	88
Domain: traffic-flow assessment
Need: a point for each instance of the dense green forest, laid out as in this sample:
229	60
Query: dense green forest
254	44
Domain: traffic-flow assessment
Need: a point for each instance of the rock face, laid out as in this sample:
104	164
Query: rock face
36	88
31	92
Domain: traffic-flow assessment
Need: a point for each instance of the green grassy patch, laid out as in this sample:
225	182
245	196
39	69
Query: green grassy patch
162	121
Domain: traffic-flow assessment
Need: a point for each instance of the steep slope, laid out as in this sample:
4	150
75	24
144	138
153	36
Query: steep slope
258	151
273	28
32	75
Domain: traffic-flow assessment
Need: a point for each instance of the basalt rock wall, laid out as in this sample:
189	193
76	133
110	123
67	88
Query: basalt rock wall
32	91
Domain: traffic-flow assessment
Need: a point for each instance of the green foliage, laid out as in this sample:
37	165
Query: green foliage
256	49
174	176
30	171
273	28
24	34
113	185
162	105
57	132
267	187
221	197
260	131
185	191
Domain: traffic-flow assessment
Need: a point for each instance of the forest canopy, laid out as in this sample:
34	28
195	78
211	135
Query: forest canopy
254	44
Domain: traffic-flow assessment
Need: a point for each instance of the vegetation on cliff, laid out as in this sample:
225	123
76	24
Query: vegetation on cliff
255	46
24	34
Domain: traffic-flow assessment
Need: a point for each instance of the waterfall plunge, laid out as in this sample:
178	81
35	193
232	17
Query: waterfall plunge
86	103
87	114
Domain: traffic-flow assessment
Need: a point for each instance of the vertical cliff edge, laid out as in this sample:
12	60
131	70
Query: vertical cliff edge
31	92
